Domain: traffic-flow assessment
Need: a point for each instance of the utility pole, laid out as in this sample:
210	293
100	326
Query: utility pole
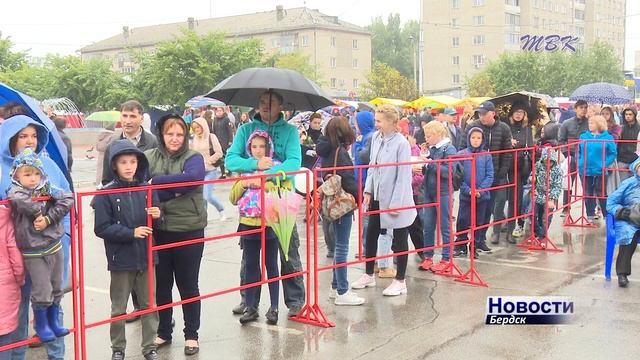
413	56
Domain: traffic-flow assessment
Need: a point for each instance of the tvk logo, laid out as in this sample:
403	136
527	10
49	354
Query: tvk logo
548	43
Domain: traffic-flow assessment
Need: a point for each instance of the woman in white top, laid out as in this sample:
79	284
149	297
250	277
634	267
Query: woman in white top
208	145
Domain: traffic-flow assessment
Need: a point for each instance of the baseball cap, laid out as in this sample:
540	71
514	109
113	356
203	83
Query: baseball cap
450	111
486	106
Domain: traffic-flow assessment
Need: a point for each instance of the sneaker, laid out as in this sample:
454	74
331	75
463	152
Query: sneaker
239	309
483	247
387	273
426	264
397	287
249	316
439	266
598	213
365	281
117	355
332	293
272	316
294	310
151	355
518	231
222	217
330	254
349	298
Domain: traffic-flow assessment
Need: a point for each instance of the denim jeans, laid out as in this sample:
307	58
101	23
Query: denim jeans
208	190
593	187
430	227
385	240
342	231
6	340
541	225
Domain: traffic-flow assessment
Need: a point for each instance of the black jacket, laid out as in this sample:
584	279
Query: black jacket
627	151
328	152
223	129
307	160
570	130
498	137
117	215
147	141
524	136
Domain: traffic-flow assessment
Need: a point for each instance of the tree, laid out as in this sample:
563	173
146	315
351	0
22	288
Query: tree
295	61
394	45
385	81
556	74
191	65
10	60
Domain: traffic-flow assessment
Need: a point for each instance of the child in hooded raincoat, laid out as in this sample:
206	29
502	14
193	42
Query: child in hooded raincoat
548	188
484	179
247	194
38	224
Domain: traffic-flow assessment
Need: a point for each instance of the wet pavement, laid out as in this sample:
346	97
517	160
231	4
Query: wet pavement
437	319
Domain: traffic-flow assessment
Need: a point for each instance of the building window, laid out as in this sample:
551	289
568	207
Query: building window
455	78
454	22
355	83
511	38
333	62
478	2
512	2
455	41
511	19
455	4
333	41
477	60
579	14
478	40
354	43
333	83
478	20
455	60
355	63
305	40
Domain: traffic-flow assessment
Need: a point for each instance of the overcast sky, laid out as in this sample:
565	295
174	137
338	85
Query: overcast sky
64	26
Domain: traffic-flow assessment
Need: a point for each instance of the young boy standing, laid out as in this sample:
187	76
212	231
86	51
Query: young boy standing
121	220
38	229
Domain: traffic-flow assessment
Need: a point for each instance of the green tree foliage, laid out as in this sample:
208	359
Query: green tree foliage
385	81
191	65
393	44
295	61
10	60
556	74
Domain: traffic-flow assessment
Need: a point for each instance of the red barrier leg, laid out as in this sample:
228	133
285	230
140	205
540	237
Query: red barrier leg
451	270
471	277
544	244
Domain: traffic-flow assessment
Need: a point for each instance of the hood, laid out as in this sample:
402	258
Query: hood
28	158
478	149
263	134
634	165
204	125
161	144
551	131
365	122
12	127
124	146
635	114
550	153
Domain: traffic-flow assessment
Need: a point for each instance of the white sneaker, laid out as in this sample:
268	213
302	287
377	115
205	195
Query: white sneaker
332	293
517	232
396	288
348	298
222	217
364	282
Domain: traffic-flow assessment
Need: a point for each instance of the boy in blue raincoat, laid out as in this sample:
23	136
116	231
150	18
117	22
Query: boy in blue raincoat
619	203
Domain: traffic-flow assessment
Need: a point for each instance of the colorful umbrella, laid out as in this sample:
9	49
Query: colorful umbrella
380	100
201	101
281	208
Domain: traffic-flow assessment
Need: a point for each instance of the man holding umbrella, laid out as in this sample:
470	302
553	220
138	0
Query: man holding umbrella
269	117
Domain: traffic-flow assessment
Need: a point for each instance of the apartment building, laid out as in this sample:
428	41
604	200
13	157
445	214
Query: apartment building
458	37
340	50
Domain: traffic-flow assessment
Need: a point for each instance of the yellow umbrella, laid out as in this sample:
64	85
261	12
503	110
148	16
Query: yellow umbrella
475	101
395	102
436	101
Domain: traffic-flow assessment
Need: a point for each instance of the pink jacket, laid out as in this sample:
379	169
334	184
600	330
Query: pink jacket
11	274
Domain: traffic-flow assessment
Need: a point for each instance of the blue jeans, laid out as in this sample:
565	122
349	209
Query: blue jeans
208	190
430	217
385	241
342	231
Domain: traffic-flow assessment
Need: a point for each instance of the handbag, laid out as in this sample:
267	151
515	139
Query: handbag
335	201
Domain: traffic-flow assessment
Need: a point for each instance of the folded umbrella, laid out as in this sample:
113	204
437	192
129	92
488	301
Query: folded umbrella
281	208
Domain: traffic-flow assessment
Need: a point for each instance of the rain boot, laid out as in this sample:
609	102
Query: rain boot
41	325
53	315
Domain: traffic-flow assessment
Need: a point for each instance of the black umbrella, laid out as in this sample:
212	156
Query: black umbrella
534	104
245	87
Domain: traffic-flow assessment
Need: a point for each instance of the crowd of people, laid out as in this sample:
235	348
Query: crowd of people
216	143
